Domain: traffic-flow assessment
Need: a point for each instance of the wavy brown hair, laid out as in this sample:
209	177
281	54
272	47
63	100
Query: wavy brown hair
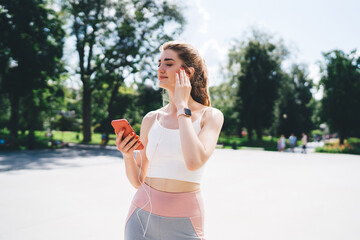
191	58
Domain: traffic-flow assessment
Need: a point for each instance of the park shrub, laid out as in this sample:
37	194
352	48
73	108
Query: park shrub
10	143
267	143
350	146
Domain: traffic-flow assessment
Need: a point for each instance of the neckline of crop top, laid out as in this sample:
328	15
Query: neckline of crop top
177	129
165	154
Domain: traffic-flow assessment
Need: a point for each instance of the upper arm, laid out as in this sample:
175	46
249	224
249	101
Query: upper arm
210	132
141	159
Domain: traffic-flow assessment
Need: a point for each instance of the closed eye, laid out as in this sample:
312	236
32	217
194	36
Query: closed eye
166	60
169	65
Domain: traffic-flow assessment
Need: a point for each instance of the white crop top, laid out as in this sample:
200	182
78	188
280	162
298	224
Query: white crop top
165	155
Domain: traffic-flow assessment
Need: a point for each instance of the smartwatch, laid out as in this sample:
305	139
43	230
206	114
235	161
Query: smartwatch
185	111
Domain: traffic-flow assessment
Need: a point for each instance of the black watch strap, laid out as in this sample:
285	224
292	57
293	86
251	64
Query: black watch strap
185	111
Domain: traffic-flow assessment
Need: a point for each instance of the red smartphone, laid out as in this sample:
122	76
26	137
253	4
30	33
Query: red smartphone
123	123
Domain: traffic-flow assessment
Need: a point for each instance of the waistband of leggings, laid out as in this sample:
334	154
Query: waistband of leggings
169	204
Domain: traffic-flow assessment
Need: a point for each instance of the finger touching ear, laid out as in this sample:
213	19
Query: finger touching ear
177	78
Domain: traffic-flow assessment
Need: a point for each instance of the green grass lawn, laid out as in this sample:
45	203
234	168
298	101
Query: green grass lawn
351	145
70	137
42	141
267	143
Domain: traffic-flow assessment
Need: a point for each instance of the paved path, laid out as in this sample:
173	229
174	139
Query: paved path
83	194
310	147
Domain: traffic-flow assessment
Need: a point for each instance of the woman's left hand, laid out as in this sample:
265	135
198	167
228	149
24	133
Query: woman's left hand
182	89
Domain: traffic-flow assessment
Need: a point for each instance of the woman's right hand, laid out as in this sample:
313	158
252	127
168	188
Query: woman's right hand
128	145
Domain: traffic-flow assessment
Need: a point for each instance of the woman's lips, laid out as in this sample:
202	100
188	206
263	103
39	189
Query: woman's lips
162	78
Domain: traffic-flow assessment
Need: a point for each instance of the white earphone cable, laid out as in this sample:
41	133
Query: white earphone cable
142	185
149	201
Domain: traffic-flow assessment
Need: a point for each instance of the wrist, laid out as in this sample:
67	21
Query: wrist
181	106
128	157
184	112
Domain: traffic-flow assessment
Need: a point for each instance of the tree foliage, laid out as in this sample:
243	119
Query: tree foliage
295	106
114	39
31	43
259	76
223	97
341	100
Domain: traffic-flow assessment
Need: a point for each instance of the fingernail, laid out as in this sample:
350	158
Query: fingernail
139	141
182	68
177	72
137	137
132	134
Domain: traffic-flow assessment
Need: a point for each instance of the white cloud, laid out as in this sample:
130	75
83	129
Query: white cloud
213	52
215	56
315	75
204	15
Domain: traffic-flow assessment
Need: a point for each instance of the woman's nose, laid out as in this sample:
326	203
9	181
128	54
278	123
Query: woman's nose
161	69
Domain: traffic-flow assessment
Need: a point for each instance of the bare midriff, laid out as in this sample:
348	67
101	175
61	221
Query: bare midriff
171	185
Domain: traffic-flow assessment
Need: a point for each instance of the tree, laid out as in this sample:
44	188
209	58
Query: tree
5	108
295	108
112	39
31	43
88	22
341	100
138	37
259	75
223	97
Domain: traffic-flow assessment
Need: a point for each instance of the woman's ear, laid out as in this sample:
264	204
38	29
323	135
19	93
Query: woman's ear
190	71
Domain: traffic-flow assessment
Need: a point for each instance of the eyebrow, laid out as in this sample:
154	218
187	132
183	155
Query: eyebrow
167	59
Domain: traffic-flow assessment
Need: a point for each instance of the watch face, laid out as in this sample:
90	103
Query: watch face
187	111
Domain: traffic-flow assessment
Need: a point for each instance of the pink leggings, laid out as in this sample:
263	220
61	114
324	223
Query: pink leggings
174	216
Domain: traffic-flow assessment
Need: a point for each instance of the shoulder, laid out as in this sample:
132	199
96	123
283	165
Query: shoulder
148	120
150	116
214	113
213	116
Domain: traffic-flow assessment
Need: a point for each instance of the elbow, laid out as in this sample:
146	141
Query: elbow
194	163
193	166
136	184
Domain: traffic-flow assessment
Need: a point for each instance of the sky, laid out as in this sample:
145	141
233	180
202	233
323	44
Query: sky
308	28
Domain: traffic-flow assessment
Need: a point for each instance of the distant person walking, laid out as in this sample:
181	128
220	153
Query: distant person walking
304	140
103	139
279	145
292	142
282	143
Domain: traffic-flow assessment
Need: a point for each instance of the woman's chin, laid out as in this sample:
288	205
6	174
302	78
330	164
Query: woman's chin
161	84
164	85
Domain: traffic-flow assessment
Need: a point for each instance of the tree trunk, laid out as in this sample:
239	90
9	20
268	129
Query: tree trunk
259	134
14	118
86	113
239	133
31	138
250	134
342	137
110	108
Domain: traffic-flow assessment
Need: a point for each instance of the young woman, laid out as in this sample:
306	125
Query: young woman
178	139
